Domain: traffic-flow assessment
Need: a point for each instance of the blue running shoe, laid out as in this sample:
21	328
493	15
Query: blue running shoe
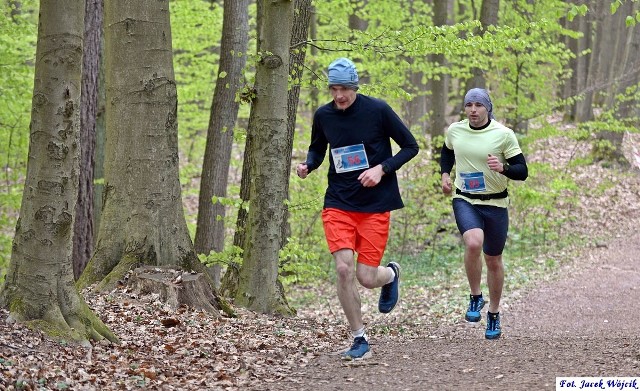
493	326
359	350
390	292
473	313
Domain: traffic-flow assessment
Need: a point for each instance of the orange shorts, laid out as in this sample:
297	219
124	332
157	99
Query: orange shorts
364	233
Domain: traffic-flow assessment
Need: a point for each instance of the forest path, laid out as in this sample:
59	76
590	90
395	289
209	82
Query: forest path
582	323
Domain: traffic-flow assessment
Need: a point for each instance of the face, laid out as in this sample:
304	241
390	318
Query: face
477	114
343	97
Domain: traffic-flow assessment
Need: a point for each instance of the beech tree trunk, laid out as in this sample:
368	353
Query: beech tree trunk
39	287
258	279
224	111
142	221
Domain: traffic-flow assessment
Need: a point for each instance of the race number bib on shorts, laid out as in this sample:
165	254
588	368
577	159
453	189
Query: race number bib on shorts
472	181
350	158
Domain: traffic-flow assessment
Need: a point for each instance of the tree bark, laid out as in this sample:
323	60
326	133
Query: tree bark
83	228
143	221
299	35
415	109
439	87
224	111
488	17
258	279
592	27
39	287
176	288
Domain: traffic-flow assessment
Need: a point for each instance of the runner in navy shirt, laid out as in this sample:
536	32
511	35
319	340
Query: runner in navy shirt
362	191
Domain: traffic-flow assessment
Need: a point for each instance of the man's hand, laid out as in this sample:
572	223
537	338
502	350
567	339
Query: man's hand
447	186
372	176
302	170
494	163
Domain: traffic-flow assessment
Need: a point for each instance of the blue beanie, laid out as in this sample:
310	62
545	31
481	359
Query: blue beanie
481	96
343	72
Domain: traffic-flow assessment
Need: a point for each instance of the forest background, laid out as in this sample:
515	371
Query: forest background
558	72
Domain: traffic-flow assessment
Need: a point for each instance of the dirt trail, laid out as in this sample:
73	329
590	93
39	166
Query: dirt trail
583	323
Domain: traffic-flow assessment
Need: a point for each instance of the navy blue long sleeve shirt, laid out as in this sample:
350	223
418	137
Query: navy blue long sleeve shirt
373	123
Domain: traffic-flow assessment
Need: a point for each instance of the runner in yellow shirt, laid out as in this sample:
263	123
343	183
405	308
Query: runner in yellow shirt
487	155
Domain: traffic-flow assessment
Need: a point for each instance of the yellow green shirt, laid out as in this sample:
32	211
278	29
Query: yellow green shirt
472	148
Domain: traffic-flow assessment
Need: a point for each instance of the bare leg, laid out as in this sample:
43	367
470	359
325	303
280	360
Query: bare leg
372	277
473	239
495	280
347	290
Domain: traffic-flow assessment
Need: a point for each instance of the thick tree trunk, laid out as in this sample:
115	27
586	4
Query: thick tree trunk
39	287
83	227
258	282
224	111
301	25
143	220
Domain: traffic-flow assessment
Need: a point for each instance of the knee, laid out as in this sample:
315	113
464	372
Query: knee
344	272
494	262
473	240
474	245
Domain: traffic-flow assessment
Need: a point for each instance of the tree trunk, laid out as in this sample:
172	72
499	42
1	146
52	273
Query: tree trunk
83	227
224	111
39	287
488	17
582	66
439	87
584	109
98	156
629	71
415	109
258	279
619	30
299	35
143	221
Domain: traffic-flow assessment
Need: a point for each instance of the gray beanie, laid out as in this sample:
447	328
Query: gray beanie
343	72
481	96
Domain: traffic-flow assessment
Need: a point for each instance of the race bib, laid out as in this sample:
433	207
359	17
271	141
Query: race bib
472	181
350	158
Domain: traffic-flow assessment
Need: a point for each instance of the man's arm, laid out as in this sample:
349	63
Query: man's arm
447	160
516	168
317	147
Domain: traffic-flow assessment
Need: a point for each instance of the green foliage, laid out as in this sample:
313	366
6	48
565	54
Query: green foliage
297	264
196	32
582	10
231	254
17	51
630	20
17	58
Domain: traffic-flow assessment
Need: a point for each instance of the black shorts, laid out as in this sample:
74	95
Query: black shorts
492	220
